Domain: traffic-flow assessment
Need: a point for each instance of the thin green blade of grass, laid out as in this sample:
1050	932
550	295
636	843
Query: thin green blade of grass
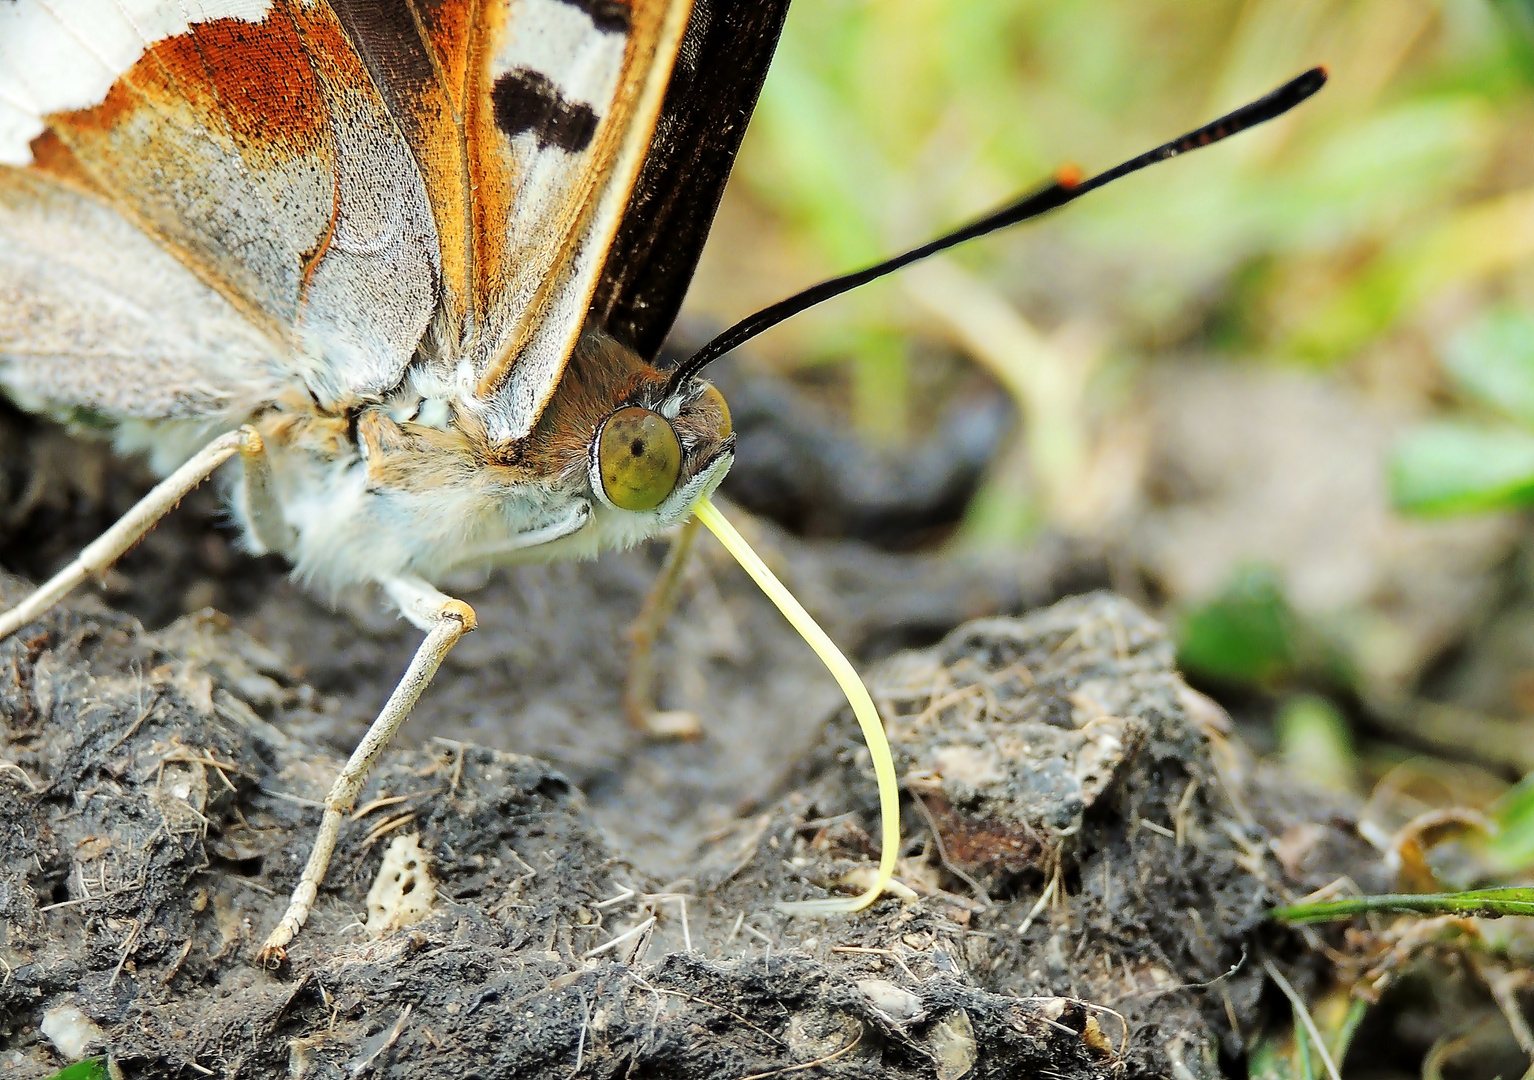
1485	903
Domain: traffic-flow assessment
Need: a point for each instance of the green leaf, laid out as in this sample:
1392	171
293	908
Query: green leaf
89	1069
1486	903
1511	847
1492	360
1248	634
1357	1007
1269	1061
1316	743
1457	468
1302	1049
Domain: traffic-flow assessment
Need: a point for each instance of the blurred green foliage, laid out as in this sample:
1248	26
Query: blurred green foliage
1510	848
1316	743
884	123
1454	468
1249	635
1492	360
89	1069
1478	462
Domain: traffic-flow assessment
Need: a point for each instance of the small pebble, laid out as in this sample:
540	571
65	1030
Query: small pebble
952	1040
893	1001
72	1033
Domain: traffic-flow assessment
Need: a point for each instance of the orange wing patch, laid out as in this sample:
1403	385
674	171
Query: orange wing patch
529	120
260	155
355	175
159	149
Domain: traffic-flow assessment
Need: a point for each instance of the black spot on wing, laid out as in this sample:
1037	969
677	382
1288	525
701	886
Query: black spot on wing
527	101
609	16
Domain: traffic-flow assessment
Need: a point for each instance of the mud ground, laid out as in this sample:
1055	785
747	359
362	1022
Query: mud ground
544	673
1088	859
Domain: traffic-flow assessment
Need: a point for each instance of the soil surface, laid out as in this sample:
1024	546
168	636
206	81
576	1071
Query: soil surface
1088	855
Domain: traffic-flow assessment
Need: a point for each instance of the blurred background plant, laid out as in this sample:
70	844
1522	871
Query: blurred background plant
1287	383
1365	214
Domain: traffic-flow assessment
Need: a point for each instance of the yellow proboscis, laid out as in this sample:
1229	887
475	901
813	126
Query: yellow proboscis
857	696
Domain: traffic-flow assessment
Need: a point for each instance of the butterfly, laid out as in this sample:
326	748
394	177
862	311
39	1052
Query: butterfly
408	264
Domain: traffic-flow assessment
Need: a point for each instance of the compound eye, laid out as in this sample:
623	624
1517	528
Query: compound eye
714	397
639	458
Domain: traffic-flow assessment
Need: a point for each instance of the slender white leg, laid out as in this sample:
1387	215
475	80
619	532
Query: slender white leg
268	524
638	690
449	622
131	527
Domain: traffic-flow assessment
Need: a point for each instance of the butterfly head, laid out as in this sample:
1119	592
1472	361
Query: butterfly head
637	450
636	460
660	457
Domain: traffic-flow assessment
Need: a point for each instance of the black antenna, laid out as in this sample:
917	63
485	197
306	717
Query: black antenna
1067	187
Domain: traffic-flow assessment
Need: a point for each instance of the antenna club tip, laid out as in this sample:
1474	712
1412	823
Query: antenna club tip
1069	176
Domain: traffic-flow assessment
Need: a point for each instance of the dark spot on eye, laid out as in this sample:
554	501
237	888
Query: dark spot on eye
637	448
525	101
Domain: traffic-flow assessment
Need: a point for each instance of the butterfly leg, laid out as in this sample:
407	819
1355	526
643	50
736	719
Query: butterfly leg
638	689
131	527
445	620
268	525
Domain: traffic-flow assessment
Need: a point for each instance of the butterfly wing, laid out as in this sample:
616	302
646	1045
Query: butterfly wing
357	177
714	86
556	107
597	137
97	319
244	138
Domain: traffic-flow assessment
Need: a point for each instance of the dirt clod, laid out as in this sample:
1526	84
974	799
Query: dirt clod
159	794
